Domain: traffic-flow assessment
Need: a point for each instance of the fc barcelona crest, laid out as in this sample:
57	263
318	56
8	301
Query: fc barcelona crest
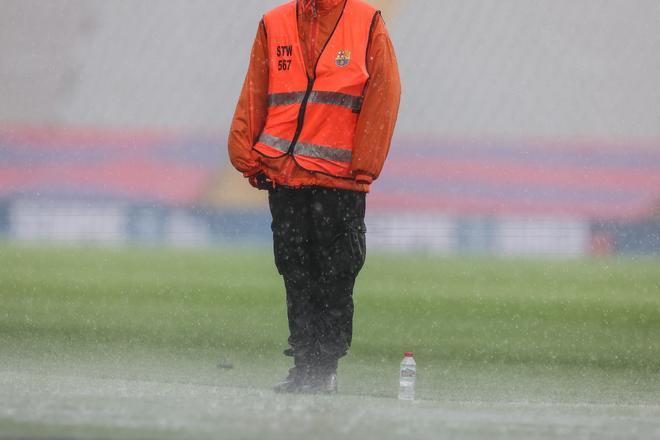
343	58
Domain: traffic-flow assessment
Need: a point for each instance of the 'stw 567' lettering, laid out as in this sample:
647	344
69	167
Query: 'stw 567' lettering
284	51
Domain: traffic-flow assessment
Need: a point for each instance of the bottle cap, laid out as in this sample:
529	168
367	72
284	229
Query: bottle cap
409	354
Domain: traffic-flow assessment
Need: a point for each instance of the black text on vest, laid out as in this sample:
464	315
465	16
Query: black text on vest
284	51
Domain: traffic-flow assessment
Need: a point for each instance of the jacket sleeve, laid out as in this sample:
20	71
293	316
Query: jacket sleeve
250	115
380	107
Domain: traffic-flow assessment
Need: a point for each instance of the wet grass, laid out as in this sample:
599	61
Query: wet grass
482	328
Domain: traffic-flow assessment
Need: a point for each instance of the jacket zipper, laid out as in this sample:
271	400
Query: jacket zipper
314	33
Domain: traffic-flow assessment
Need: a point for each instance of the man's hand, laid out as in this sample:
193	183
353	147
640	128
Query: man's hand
261	181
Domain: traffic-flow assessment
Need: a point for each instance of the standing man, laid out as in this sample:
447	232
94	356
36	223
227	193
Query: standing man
313	126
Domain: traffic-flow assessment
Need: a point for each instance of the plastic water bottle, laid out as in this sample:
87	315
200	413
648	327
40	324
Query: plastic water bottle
407	376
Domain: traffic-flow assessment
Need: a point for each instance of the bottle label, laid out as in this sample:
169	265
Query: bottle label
408	372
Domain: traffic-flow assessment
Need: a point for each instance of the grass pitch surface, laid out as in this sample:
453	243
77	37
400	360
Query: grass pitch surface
127	343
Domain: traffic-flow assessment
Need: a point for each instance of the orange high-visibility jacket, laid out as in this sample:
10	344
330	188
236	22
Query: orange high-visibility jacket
376	120
314	118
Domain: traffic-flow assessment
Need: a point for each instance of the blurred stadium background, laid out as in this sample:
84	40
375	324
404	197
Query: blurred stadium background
526	127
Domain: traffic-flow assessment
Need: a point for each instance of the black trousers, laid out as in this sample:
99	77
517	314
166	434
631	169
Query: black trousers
319	245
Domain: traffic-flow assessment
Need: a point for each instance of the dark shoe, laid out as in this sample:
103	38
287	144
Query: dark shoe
293	382
320	384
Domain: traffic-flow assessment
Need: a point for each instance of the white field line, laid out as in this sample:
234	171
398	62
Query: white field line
153	408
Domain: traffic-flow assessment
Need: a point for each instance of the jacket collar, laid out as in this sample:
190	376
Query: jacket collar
317	7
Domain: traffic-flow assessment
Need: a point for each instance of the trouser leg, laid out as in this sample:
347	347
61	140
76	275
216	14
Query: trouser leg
339	250
291	245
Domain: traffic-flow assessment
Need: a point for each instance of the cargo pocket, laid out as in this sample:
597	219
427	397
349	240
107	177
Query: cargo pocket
291	255
348	253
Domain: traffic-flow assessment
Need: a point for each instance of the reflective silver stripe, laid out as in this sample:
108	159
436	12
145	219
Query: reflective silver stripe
334	98
329	98
275	142
285	98
321	152
307	150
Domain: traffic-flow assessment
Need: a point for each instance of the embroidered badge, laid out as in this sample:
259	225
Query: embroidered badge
343	58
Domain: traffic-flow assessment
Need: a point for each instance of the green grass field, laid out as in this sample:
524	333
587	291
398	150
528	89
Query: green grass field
483	330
